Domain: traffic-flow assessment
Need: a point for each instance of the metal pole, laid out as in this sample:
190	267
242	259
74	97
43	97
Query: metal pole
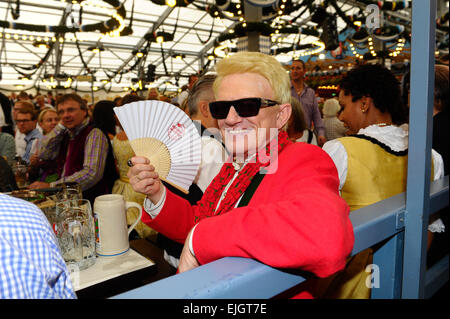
419	154
252	14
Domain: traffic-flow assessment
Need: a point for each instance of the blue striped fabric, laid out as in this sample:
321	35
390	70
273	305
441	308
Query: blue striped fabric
31	266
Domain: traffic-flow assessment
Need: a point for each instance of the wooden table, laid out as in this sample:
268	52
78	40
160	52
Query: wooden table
161	269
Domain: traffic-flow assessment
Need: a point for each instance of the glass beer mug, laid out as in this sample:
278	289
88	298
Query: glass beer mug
75	231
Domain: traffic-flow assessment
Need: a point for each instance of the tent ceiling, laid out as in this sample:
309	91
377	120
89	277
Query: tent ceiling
195	33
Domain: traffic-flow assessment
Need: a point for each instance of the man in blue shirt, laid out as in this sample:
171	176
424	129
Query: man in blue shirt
26	121
31	266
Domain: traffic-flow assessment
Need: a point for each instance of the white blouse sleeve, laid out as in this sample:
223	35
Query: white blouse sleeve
338	154
438	164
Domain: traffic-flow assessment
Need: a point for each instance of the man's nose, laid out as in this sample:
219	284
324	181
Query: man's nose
232	116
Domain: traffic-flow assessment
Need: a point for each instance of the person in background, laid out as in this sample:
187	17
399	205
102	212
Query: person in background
41	170
306	95
7	124
296	127
181	98
18	136
103	117
23	96
2	118
26	120
273	200
213	151
8	180
372	162
438	241
48	119
40	102
30	261
81	151
50	99
441	122
7	147
13	98
153	94
334	128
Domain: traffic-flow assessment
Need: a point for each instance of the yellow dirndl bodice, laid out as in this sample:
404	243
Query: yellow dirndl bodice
123	152
374	173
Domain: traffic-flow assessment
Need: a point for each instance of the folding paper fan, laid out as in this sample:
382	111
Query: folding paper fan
165	135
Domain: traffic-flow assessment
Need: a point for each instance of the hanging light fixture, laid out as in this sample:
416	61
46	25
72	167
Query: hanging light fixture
41	44
171	3
159	37
178	56
96	49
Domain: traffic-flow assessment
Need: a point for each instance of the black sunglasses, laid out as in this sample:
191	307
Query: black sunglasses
244	107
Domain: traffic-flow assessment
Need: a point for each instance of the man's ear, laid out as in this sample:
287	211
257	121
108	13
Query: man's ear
203	107
283	115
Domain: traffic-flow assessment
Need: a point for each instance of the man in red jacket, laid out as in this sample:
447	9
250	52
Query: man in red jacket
274	200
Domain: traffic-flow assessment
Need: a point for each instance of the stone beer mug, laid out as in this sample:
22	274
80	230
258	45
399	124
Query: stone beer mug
111	224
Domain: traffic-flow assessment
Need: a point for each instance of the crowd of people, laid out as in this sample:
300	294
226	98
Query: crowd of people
330	162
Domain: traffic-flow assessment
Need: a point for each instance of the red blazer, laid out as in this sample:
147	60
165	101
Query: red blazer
295	219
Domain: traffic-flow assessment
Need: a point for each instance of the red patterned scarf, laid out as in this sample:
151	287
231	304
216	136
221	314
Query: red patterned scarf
214	191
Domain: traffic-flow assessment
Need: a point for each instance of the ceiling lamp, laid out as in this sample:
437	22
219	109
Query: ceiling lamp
41	44
96	49
173	3
159	37
138	54
179	56
126	31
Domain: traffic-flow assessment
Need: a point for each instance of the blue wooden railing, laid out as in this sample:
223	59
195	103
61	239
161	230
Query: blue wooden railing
235	278
398	224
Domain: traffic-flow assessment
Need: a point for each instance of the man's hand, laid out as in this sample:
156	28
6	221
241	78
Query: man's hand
37	185
187	260
321	140
144	179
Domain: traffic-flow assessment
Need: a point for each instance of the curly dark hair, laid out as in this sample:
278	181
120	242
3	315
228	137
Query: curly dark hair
379	83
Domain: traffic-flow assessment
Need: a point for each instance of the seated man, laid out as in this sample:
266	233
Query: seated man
82	152
26	121
274	200
213	155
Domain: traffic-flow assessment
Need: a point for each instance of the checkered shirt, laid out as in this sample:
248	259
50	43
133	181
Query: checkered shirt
31	266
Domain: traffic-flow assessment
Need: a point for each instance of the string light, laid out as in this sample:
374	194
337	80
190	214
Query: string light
399	47
371	49
356	54
320	46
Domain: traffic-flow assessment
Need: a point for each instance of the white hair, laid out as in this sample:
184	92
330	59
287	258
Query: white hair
331	107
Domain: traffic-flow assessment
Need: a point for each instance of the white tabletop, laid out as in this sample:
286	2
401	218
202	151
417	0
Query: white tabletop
106	268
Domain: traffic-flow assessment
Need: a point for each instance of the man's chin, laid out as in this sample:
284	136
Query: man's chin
68	125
